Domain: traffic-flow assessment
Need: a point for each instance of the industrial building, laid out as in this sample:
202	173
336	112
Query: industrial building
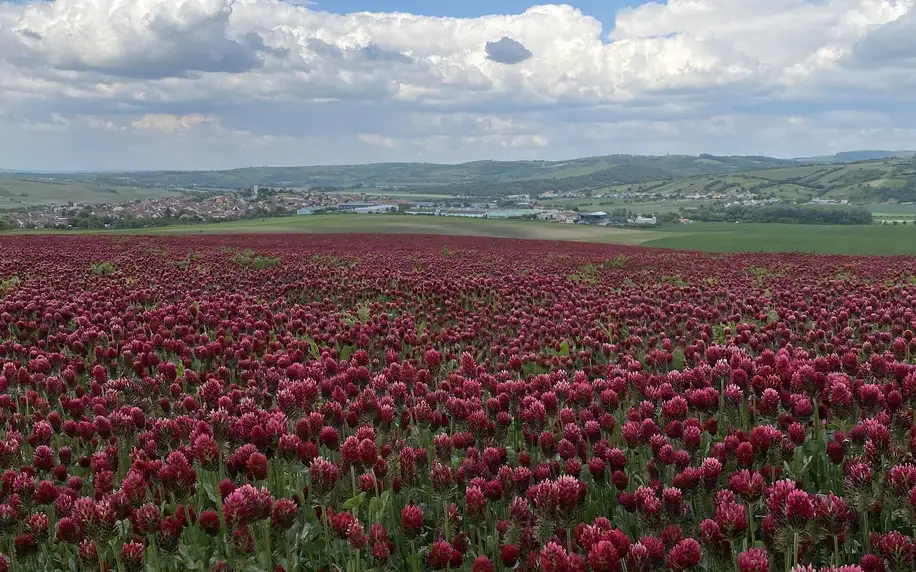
598	217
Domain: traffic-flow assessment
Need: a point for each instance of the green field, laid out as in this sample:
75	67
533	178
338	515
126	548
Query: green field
396	194
871	181
407	224
15	193
886	209
824	239
607	205
713	237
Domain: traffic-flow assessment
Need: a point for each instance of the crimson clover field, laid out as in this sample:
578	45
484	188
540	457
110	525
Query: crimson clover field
383	402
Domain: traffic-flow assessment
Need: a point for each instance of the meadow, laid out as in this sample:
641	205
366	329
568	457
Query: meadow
711	237
17	193
406	224
823	239
303	402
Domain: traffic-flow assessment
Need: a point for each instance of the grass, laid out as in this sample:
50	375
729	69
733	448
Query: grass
103	268
399	224
609	204
22	193
855	181
887	209
407	224
712	237
399	194
251	259
824	239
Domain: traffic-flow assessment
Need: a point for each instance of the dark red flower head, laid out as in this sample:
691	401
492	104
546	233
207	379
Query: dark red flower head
685	555
411	520
754	560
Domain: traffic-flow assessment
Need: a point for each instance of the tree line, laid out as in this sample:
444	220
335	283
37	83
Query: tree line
784	213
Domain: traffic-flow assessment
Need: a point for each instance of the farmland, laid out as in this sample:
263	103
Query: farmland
703	187
677	175
21	193
876	180
406	224
303	402
426	178
711	237
861	182
825	239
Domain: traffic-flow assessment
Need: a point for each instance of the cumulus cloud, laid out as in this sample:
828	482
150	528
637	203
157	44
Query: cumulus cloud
890	45
170	124
284	82
151	39
377	140
507	51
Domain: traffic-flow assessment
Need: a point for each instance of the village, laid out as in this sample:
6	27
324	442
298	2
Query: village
189	207
202	207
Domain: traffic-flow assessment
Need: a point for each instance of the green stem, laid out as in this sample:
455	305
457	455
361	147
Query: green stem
327	533
836	551
750	521
413	550
269	551
154	552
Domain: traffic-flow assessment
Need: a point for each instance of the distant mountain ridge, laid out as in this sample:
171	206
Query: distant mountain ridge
863	176
605	170
418	172
855	156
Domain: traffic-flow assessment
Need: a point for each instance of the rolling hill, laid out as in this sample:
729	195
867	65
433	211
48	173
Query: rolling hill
889	178
876	181
853	156
23	193
610	169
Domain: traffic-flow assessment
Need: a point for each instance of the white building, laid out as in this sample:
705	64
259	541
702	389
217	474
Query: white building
548	215
375	209
645	220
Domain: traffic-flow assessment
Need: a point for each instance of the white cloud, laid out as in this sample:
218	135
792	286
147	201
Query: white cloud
283	75
170	124
377	140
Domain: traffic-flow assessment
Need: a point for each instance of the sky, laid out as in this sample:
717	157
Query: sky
213	84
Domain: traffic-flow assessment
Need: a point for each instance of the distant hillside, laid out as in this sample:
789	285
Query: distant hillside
890	178
493	176
854	156
878	181
19	193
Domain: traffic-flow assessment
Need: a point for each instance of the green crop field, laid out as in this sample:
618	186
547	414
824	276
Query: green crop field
15	193
407	224
825	239
886	209
396	194
713	237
